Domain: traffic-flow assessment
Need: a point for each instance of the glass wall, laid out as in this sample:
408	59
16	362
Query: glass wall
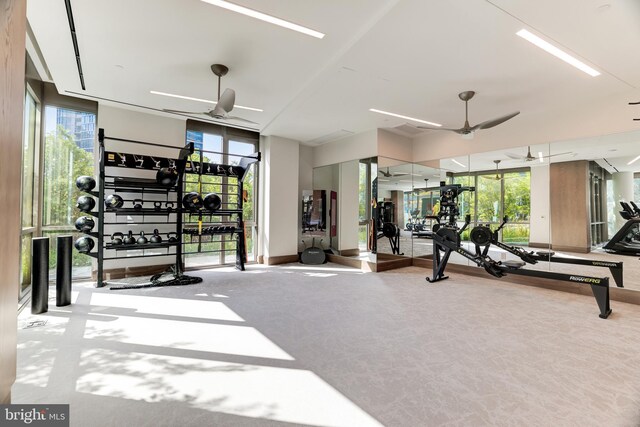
68	153
29	185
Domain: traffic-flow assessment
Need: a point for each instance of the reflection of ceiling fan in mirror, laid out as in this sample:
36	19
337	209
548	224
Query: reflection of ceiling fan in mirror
467	129
392	174
225	103
497	177
531	158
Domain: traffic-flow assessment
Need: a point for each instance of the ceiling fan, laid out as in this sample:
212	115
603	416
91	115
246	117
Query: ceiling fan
531	158
497	177
467	129
225	102
392	174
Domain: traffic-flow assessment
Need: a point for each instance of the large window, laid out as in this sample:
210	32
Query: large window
223	146
496	195
29	185
68	153
367	173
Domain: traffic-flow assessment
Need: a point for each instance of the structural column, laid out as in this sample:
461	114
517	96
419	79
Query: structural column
13	19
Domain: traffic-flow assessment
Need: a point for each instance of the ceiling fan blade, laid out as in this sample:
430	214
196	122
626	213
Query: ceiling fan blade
185	112
227	100
399	174
495	122
436	128
240	119
559	154
514	156
494	178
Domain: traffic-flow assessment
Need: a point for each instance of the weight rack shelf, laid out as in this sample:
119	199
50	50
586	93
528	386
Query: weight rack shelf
138	247
232	185
110	181
219	212
148	186
140	212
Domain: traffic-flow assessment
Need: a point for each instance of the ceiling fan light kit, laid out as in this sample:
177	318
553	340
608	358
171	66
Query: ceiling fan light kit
467	130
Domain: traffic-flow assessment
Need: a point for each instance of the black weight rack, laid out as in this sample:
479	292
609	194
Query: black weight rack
168	200
206	229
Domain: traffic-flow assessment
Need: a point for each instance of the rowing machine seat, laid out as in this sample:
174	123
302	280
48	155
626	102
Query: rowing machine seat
512	263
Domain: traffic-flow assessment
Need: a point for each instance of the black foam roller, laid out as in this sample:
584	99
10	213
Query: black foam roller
39	275
63	271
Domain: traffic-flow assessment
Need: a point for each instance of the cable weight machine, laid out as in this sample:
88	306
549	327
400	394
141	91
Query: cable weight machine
446	239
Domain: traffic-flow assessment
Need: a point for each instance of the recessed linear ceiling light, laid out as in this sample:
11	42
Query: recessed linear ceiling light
207	101
549	48
264	17
541	156
633	161
458	163
404	117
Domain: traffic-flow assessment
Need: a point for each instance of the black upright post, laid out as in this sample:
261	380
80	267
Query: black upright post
63	271
99	282
39	275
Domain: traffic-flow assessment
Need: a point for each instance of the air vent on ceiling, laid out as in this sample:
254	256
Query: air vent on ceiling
407	129
74	39
330	137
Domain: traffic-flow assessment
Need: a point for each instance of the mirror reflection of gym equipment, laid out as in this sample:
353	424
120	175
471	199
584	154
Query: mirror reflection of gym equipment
314	212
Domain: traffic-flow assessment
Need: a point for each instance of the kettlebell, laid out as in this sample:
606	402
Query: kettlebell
157	205
116	239
172	237
156	238
169	206
137	204
130	240
142	240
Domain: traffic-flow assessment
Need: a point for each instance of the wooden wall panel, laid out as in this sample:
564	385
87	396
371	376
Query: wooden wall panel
12	91
569	198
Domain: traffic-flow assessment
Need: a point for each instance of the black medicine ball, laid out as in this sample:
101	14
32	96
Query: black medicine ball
192	201
85	224
113	201
85	203
85	183
167	177
212	202
84	244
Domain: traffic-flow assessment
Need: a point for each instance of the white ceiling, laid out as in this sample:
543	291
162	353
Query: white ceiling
407	56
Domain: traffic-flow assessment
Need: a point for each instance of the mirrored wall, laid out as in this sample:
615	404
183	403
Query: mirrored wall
337	214
568	200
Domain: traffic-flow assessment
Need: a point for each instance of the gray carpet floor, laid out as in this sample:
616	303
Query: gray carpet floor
331	346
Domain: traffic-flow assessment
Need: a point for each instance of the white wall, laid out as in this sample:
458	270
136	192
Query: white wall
279	230
305	170
354	147
539	215
326	178
348	206
129	124
394	146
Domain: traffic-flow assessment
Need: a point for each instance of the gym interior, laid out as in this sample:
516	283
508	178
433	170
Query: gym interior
363	213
